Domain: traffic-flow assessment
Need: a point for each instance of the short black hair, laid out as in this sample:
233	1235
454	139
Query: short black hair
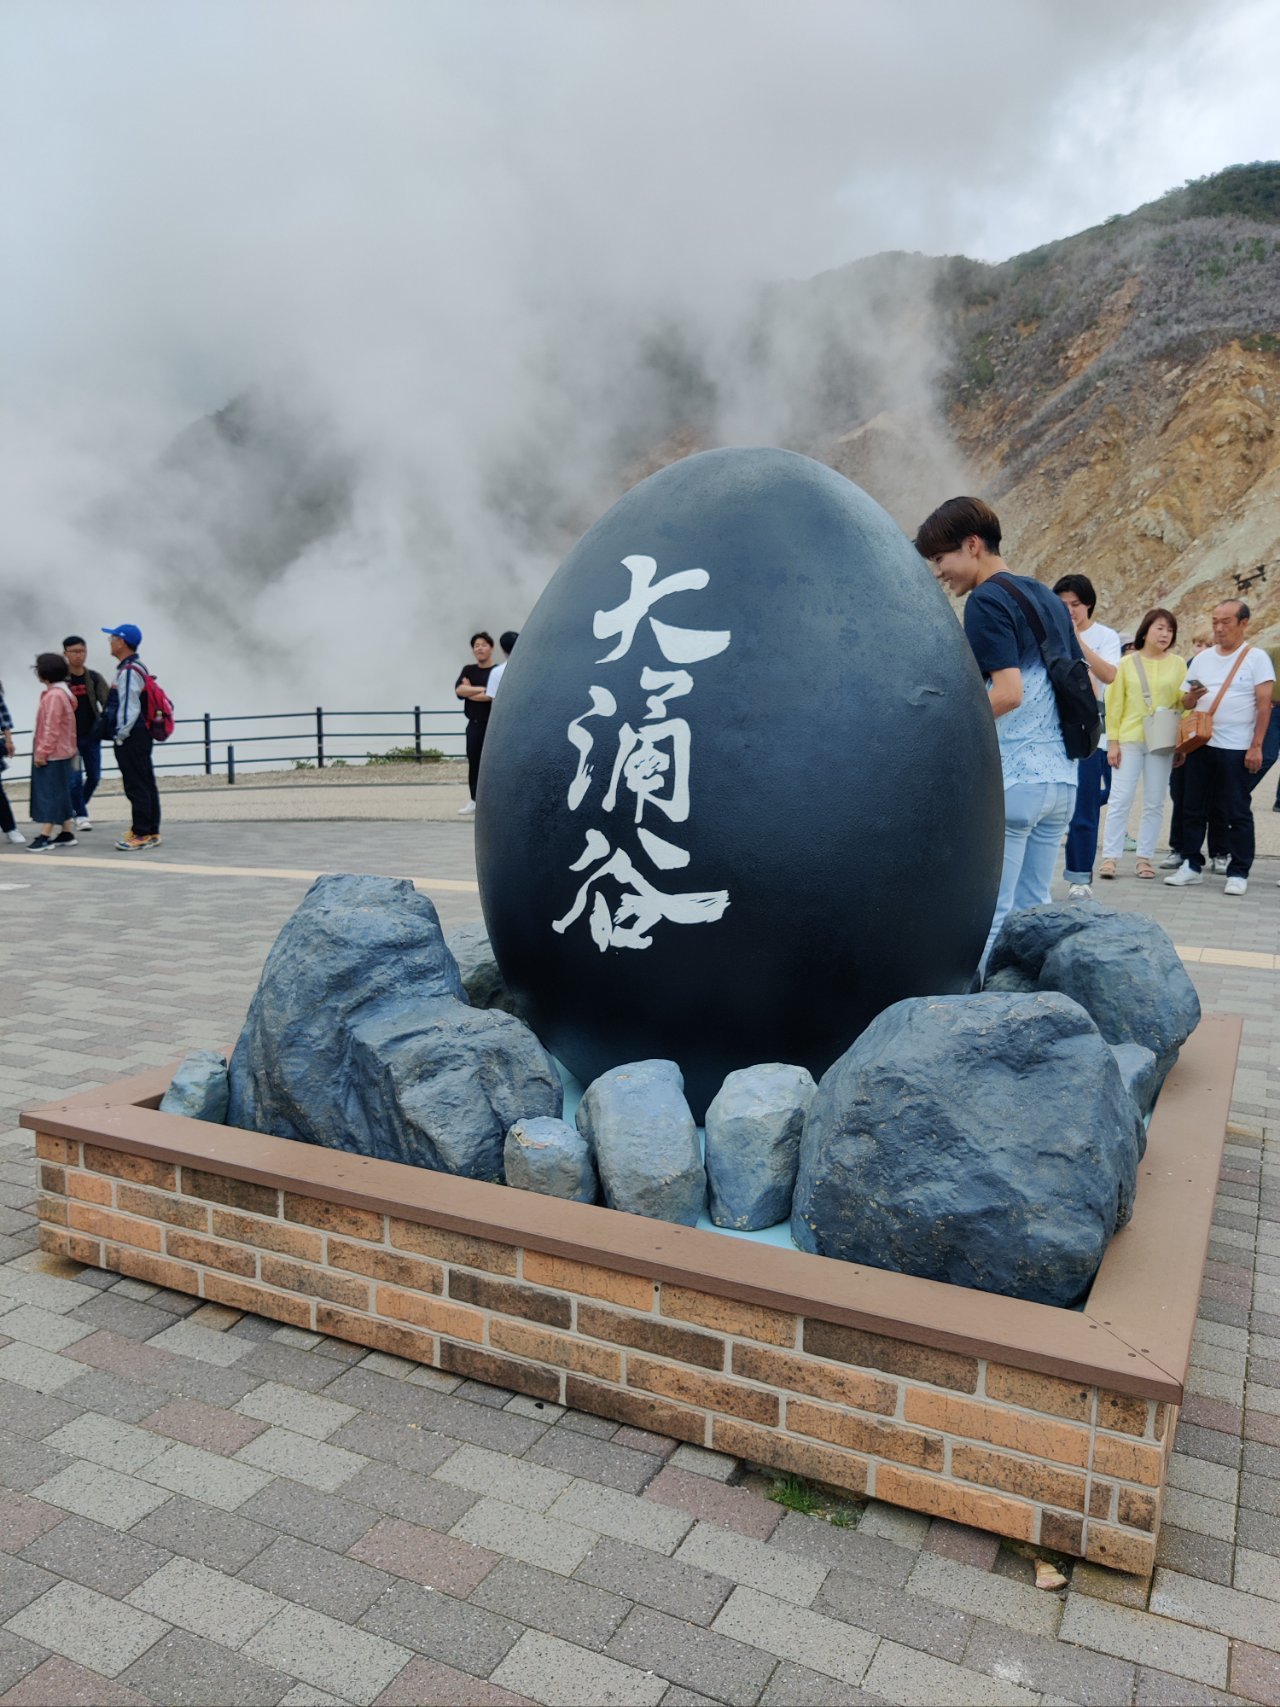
482	635
74	640
1148	619
508	640
1081	586
947	528
52	667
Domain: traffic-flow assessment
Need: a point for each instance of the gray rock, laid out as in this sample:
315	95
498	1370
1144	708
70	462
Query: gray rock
753	1144
360	1038
1009	981
552	1157
645	1142
199	1088
1121	967
481	977
1140	1072
987	1141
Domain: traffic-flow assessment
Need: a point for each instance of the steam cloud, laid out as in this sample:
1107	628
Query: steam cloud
466	265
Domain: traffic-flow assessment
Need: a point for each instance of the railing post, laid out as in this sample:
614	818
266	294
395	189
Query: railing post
417	734
231	765
208	745
320	737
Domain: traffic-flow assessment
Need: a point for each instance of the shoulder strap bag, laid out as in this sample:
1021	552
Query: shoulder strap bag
1160	725
1196	728
1069	677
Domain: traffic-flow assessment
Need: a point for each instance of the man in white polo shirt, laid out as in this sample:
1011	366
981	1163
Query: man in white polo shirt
1221	772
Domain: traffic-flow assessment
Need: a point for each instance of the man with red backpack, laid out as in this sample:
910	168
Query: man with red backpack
131	717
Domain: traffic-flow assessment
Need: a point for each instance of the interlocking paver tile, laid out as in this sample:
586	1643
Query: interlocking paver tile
45	1291
563	1606
105	1496
284	1453
524	1534
785	1576
17	1658
741	1509
429	1680
640	1574
1052	1668
1257	1573
1255	1673
416	1499
891	1523
794	1633
1160	1643
513	1480
23	1520
206	1426
410	1445
20	1583
845	1549
273	1360
588	1460
88	1627
30	1414
690	1654
452	1630
206	1602
205	1476
424	1556
183	1670
698	1461
110	1395
99	1557
62	1683
919	1680
292	1408
327	1520
984	1594
226	1540
29	1366
608	1512
188	1339
1162	1689
1214	1607
311	1576
122	1315
105	1440
320	1650
547	1669
34	1326
883	1609
797	1686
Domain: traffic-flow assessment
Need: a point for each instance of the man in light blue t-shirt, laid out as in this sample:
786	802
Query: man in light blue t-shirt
961	543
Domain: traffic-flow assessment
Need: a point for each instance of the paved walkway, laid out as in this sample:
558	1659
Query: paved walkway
201	1507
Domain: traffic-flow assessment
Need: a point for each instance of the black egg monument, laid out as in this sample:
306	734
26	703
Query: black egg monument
740	789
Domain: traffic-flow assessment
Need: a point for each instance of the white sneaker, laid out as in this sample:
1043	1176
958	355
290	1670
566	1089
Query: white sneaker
1184	876
1235	886
1220	865
467	810
1171	862
15	836
1080	892
83	824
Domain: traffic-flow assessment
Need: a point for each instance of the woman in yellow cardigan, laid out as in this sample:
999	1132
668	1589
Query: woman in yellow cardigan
1127	753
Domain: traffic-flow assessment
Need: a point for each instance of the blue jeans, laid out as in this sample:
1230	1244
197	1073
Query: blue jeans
1093	777
1035	815
83	782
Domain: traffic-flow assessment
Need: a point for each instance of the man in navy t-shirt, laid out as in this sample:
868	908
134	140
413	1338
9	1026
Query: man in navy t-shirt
961	543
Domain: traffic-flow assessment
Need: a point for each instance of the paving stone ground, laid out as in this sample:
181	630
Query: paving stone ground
200	1507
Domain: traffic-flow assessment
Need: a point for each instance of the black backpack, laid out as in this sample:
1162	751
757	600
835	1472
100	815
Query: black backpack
1069	677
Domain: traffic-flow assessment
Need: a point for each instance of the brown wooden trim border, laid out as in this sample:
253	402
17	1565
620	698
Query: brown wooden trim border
1133	1335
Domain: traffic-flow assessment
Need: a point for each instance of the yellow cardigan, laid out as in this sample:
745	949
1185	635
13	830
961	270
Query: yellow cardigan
1125	705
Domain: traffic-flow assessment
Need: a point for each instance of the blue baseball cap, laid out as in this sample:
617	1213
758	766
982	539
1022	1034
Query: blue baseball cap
129	632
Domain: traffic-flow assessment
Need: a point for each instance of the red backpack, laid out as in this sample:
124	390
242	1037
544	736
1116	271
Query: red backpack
157	707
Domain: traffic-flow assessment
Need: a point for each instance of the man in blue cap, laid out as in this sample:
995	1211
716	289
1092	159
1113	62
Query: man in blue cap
132	736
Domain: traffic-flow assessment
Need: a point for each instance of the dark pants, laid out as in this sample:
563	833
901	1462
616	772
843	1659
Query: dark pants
7	822
1270	752
133	755
1093	785
84	781
1216	778
1217	818
475	746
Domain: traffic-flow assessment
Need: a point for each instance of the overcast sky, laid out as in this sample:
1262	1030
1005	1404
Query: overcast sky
396	198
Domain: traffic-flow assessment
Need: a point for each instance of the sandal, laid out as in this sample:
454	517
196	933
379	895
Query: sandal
1107	868
1145	868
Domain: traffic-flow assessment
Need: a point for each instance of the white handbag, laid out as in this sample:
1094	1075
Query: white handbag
1161	724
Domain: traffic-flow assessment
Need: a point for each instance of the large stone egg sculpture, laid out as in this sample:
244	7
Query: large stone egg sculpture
740	788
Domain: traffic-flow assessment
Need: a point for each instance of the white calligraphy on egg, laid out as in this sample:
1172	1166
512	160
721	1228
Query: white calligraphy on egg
651	763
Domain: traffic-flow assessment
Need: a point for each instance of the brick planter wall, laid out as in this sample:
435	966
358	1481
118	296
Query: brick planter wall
1048	1426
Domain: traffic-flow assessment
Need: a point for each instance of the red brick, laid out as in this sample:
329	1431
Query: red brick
647	1333
728	1315
193	1247
1122	1413
382	1336
824	1464
234	1193
634	1291
144	1265
1137	1510
476	1365
257	1300
1128	1460
942	1498
177	1211
103	1224
58	1149
1062	1534
509	1298
1101	1495
895	1357
138	1169
299	1242
636	1409
1121	1549
52	1209
53	1178
861	1434
564	1350
88	1251
1036	1392
710	1392
317	1282
334	1217
468	1252
386	1265
1065	1443
89	1188
431	1313
834	1382
1023	1476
